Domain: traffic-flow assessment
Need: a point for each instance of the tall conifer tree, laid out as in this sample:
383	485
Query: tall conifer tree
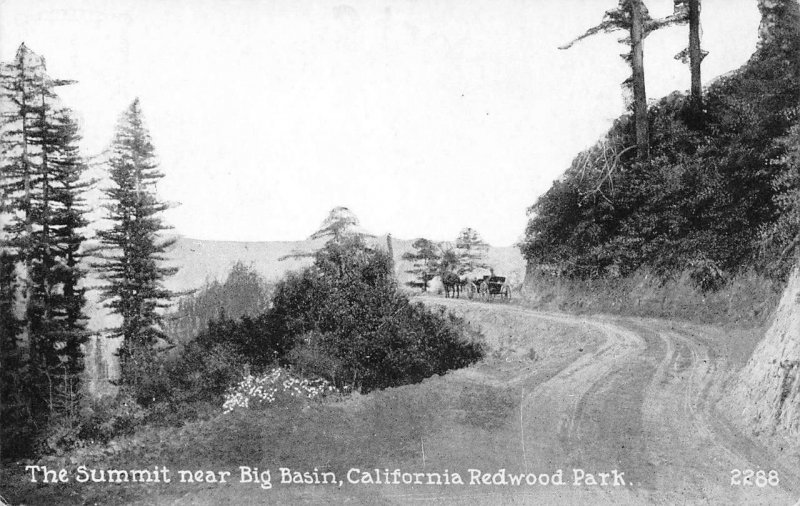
55	314
472	251
42	214
132	253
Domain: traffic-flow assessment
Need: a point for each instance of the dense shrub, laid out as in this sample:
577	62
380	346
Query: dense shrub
347	311
109	417
193	383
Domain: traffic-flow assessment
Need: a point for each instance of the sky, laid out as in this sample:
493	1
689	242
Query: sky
421	116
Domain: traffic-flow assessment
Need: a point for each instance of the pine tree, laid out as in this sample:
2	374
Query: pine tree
56	314
471	250
630	16
20	82
340	225
43	212
132	251
633	17
425	261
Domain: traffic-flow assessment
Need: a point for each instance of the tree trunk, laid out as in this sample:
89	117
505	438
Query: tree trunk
695	55
639	92
390	250
27	261
48	263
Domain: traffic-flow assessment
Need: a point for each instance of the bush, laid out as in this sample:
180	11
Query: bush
350	324
111	417
192	383
342	320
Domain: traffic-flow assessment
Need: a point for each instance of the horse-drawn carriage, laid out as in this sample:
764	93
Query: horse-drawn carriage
485	288
495	285
491	286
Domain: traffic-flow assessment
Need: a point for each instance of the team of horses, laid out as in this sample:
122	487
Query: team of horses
485	288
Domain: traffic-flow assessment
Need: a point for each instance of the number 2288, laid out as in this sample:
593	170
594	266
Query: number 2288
749	477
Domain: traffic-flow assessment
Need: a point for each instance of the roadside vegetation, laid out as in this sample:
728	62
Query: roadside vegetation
338	328
702	226
430	258
746	300
243	293
342	320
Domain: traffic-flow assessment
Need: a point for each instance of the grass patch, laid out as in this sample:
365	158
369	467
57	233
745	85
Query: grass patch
385	428
745	300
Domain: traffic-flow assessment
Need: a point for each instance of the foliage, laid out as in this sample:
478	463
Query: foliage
709	199
243	293
132	251
780	240
347	304
43	212
424	260
471	250
194	382
341	320
430	259
339	223
108	417
619	18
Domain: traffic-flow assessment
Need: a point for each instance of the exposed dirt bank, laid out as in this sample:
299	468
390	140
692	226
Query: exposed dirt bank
766	398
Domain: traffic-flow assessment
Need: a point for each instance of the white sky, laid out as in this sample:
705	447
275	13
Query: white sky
421	116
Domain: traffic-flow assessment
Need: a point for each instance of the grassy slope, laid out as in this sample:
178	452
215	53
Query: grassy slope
466	419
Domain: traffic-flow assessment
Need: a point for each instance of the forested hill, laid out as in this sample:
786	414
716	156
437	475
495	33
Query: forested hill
719	193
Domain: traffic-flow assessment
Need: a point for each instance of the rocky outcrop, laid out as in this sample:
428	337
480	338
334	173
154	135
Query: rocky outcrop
769	385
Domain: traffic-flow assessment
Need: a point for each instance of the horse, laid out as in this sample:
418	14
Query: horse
452	285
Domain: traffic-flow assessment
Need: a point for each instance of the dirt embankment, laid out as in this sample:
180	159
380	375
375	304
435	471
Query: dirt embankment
769	385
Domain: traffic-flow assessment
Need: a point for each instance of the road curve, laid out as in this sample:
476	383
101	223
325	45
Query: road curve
640	401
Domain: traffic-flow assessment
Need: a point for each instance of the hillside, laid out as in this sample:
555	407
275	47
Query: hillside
717	194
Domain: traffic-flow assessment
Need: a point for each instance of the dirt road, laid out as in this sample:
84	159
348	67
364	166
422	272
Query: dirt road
605	410
638	397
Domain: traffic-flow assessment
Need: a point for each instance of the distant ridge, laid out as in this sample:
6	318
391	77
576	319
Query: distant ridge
201	260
